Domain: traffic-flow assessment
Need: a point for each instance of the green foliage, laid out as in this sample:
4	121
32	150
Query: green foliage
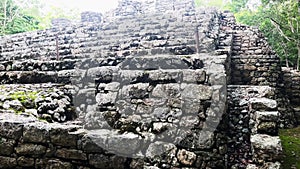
14	20
56	12
24	96
236	5
209	3
26	15
290	139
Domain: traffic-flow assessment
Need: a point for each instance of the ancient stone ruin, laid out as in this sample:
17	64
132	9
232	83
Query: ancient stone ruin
152	84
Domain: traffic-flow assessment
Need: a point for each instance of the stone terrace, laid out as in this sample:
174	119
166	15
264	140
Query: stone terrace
153	85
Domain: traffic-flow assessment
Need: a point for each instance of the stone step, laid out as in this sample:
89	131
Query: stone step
271	116
263	104
39	65
174	50
266	148
266	165
48	101
162	62
197	76
266	122
31	77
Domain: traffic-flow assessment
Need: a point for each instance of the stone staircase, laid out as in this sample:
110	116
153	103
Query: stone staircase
254	119
153	90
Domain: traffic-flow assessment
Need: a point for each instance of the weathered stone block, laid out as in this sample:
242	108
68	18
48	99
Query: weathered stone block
59	135
166	90
53	163
125	144
186	157
7	162
113	86
191	106
197	92
263	103
99	161
135	91
6	146
174	76
158	148
101	74
106	98
267	116
31	150
194	76
89	145
265	148
25	162
154	63
11	129
71	154
36	133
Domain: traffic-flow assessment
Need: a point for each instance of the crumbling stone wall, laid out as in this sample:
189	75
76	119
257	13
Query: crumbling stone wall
136	7
291	80
166	83
253	120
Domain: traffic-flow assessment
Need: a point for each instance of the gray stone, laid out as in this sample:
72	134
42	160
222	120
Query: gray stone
272	165
135	91
6	146
186	157
166	91
251	166
191	106
59	135
11	129
25	162
99	161
53	163
158	148
197	92
71	154
113	86
125	144
265	147
13	104
153	63
267	116
101	74
194	76
128	76
189	121
31	149
106	98
174	76
36	132
89	145
7	162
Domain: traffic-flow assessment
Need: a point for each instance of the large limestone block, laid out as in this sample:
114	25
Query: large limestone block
265	148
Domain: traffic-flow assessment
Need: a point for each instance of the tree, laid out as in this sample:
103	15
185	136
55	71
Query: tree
205	3
237	5
13	19
285	19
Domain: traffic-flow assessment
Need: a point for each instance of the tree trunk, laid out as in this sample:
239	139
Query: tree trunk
298	57
4	15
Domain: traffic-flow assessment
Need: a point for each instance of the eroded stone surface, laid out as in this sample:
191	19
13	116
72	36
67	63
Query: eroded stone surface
151	85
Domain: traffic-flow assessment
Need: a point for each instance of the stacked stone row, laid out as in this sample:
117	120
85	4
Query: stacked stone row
159	34
291	79
253	127
253	60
